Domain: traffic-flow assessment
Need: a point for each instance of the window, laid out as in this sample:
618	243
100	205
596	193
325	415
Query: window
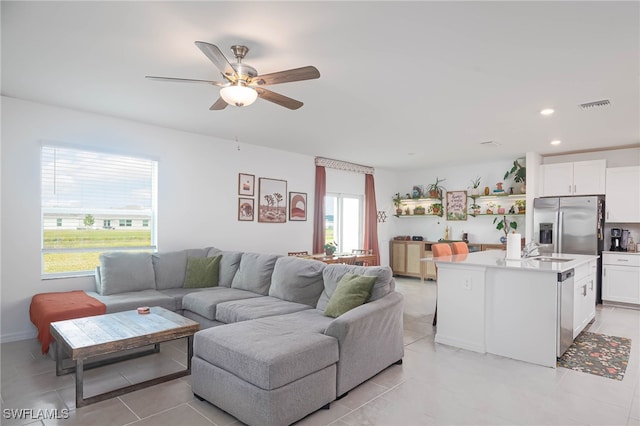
82	189
344	221
145	222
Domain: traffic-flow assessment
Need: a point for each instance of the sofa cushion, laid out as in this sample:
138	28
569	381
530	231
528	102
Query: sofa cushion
122	272
333	273
258	307
297	280
202	272
169	269
228	265
254	273
131	300
263	354
177	294
351	292
204	303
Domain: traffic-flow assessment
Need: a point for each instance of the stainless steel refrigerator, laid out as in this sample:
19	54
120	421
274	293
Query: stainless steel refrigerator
570	225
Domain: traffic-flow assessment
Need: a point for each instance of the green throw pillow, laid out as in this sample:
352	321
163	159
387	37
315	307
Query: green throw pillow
351	292
202	272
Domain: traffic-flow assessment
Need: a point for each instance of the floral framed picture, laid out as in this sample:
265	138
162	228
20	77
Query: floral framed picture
245	209
246	183
272	201
297	206
457	205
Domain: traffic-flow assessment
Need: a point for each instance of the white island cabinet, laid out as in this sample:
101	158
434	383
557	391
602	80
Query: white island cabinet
512	308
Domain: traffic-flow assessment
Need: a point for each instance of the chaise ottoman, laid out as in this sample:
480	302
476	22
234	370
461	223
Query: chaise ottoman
264	374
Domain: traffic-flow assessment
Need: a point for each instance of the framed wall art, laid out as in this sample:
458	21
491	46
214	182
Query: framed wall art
272	201
245	209
246	183
297	206
456	205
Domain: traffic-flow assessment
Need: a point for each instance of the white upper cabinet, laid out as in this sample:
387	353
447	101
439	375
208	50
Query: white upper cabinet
579	178
623	194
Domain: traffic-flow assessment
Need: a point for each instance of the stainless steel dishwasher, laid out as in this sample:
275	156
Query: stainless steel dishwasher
565	311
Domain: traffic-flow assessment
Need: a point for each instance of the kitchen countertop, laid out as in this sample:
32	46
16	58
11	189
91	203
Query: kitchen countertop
496	259
631	253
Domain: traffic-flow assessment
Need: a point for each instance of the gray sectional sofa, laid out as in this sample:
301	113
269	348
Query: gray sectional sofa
266	352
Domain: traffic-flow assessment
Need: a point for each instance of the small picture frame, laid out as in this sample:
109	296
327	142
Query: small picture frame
272	200
245	209
297	206
246	184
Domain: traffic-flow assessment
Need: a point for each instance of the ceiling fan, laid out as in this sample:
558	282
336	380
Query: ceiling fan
242	85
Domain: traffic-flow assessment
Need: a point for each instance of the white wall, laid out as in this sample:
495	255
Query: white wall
197	195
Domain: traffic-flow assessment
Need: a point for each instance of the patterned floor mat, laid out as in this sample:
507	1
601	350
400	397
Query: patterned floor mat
598	354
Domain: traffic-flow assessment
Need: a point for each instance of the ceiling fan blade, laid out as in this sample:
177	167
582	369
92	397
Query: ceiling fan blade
214	54
279	99
186	80
218	105
296	74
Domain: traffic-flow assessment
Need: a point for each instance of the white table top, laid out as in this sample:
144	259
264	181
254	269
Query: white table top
496	259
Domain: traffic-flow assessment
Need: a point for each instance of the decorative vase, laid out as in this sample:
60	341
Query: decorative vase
501	210
329	252
523	189
398	211
487	191
475	192
503	239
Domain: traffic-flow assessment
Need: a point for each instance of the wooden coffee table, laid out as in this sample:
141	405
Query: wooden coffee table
83	338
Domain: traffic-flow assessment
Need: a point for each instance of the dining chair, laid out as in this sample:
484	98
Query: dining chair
440	249
348	260
298	253
361	251
459	247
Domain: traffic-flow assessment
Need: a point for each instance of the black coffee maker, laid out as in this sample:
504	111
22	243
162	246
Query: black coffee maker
616	239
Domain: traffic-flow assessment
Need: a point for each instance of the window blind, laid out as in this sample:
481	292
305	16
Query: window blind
94	202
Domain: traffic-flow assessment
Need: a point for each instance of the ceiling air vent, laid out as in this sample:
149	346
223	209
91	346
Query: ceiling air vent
490	143
596	104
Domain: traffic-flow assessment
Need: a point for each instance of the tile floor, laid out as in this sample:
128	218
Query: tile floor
435	385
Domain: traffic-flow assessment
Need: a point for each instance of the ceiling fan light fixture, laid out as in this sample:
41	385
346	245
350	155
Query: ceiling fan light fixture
238	95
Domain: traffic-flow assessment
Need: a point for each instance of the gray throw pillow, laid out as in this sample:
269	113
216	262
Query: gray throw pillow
297	280
254	273
202	272
351	292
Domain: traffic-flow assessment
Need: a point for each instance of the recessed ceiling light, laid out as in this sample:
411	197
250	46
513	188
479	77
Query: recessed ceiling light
556	142
547	111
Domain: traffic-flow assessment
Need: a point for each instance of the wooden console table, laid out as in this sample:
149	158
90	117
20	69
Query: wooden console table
83	338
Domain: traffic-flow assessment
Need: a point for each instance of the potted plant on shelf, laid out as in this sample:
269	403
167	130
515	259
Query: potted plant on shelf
519	173
476	208
522	206
436	209
500	209
419	210
505	226
490	206
397	201
475	189
330	248
435	189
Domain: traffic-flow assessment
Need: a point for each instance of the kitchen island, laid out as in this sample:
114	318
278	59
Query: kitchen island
514	308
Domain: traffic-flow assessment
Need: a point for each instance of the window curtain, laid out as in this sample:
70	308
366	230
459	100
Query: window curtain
318	210
370	217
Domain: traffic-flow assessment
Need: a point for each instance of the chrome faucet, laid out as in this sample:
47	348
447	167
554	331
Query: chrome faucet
531	250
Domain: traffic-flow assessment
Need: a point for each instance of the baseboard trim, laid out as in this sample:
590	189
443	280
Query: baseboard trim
460	344
15	337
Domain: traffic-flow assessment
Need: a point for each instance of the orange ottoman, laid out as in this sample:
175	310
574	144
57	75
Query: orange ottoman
46	308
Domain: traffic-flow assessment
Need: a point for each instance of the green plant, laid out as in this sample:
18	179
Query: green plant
436	208
475	182
504	225
397	200
435	189
518	171
331	246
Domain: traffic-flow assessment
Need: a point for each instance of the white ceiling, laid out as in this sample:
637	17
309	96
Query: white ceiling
403	85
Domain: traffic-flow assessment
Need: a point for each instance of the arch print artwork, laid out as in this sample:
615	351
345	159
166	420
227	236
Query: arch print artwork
297	206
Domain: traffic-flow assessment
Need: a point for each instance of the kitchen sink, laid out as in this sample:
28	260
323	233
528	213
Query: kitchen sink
550	259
